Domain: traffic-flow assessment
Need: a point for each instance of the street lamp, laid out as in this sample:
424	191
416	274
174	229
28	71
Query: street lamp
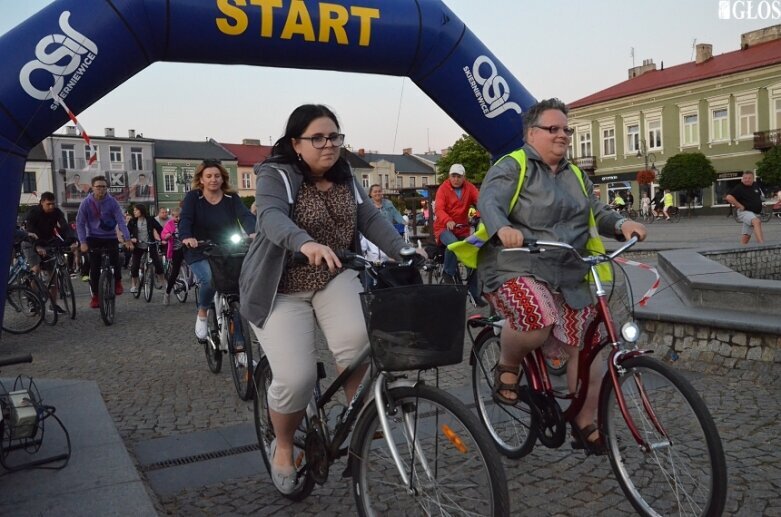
643	152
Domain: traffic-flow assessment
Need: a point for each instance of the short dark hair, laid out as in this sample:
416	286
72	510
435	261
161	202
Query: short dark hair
141	175
98	178
372	187
47	196
531	117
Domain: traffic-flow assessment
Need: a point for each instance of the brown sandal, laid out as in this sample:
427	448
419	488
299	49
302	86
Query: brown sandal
580	440
503	386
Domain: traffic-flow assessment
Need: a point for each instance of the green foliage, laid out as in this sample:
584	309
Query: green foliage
769	167
687	171
248	200
473	156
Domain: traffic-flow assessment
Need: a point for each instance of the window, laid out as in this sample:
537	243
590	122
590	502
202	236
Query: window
585	143
386	182
399	183
632	138
719	125
365	181
136	159
28	182
115	157
68	156
609	141
691	129
654	133
570	150
187	177
778	113
412	181
88	153
246	180
424	181
169	179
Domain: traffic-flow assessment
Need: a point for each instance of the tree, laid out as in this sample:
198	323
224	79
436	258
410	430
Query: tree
687	172
473	156
248	200
769	167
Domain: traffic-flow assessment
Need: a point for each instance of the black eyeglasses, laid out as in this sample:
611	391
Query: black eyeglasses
318	141
555	129
99	186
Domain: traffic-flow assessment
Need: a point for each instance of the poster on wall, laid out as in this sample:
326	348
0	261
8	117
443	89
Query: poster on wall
126	187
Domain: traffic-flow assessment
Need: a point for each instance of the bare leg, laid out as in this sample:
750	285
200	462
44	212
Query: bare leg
745	238
757	224
515	345
353	381
284	428
588	413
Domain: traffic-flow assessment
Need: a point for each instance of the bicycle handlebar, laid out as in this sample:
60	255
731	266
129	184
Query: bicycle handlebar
357	262
534	246
16	359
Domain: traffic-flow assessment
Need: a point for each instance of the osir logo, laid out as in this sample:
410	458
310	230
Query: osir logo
75	53
491	90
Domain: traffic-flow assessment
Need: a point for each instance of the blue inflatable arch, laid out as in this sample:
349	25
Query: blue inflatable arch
83	49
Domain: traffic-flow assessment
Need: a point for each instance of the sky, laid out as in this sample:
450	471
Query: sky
567	49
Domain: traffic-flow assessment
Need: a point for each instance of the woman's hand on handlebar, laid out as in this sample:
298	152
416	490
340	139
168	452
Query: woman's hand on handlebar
631	228
190	242
510	237
319	253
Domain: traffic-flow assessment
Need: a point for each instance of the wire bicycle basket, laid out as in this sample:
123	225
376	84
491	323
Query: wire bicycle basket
225	263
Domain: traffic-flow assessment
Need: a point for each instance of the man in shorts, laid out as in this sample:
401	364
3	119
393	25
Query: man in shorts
747	198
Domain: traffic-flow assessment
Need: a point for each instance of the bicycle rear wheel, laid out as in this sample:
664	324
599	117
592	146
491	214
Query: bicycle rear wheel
149	282
34	282
265	430
68	296
685	471
510	427
211	345
675	215
23	310
106	296
180	286
240	350
766	214
452	465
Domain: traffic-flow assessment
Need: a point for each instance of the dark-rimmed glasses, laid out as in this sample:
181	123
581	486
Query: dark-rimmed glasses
319	141
100	186
555	129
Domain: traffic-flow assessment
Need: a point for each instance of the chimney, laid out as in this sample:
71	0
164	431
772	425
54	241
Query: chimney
406	150
109	131
361	152
758	36
647	66
250	141
70	130
131	133
704	52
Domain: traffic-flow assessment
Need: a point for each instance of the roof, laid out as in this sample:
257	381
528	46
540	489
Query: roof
355	161
758	56
405	164
185	150
249	154
38	154
430	157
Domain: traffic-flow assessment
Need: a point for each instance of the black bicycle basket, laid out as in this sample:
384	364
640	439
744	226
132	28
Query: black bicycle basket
225	263
415	327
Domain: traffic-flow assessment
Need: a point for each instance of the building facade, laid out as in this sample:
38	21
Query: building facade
727	107
397	171
248	153
38	176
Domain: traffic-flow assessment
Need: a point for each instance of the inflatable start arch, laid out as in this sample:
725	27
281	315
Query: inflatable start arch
80	50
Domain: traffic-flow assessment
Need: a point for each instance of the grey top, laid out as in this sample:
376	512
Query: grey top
277	235
389	211
550	207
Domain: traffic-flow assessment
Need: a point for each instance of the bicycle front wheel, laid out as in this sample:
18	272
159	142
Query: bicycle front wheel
180	286
23	310
240	350
106	296
684	472
67	294
510	427
211	345
149	282
452	465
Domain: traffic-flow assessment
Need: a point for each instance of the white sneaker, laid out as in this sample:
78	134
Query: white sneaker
241	359
134	289
201	328
166	298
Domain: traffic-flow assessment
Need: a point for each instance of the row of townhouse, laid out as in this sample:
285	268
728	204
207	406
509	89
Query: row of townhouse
159	172
726	106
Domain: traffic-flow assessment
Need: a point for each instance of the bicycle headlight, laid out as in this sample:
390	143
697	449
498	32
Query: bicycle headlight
630	332
235	238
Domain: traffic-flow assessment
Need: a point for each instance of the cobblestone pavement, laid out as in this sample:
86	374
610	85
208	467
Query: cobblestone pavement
155	383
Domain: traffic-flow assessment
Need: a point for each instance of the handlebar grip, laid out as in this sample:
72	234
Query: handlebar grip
16	359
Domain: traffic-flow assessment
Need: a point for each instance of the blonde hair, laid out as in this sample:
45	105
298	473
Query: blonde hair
196	184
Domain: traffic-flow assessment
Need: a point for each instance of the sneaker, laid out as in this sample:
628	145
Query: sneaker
241	359
286	481
74	275
201	328
85	278
94	303
118	289
134	289
166	298
58	309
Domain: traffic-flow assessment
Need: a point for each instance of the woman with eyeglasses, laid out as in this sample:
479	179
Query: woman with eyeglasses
174	251
307	201
210	211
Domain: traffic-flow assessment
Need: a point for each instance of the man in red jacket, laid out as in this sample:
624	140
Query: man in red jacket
454	198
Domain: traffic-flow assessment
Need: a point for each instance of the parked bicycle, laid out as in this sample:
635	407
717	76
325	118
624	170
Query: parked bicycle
228	332
415	449
21	273
662	443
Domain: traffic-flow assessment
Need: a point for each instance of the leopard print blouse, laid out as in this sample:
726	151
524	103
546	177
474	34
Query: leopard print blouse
329	217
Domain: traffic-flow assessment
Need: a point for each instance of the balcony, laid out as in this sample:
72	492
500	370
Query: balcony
586	163
764	140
